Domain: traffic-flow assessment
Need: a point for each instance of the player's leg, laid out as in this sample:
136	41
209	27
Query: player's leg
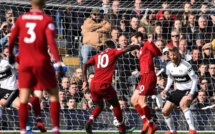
54	109
117	112
184	105
166	111
134	101
23	109
35	103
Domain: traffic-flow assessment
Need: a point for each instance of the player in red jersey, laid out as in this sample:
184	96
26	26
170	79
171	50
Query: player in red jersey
100	86
36	32
147	84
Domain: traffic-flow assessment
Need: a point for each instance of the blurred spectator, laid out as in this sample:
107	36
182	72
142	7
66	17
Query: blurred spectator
71	104
199	40
159	15
86	102
4	35
95	32
122	103
149	21
77	77
205	85
65	83
178	27
105	6
202	101
5	51
158	33
74	92
185	53
190	28
90	77
203	70
194	4
175	39
115	15
9	17
157	69
143	30
204	29
62	99
160	44
195	60
137	12
206	13
115	36
211	70
185	15
134	24
207	53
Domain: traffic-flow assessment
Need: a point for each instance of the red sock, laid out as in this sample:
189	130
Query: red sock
55	113
147	112
95	113
23	115
118	114
140	112
35	102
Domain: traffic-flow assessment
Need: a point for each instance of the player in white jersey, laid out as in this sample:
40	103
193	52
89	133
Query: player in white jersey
180	72
8	85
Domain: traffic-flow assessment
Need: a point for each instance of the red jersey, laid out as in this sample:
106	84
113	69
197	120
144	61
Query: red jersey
105	63
147	53
36	31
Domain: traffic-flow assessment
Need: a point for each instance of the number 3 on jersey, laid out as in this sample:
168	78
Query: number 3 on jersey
103	61
31	27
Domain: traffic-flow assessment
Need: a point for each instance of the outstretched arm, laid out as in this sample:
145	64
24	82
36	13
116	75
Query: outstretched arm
131	48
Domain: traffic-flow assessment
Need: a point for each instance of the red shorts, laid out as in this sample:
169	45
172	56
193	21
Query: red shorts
147	84
101	91
37	78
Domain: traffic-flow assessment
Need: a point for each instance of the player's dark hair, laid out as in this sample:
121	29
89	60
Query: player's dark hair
40	3
137	35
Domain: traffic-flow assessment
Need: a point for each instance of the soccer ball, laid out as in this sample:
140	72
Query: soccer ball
115	122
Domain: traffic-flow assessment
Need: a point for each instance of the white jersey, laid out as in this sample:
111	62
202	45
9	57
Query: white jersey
183	76
7	75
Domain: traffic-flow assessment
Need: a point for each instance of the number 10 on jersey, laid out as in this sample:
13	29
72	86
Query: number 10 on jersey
103	61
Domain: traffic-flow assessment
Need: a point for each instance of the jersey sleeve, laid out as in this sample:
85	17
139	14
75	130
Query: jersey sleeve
118	52
14	34
151	47
50	36
192	76
92	61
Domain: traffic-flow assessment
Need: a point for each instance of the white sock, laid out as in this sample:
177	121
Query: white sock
170	123
189	117
22	131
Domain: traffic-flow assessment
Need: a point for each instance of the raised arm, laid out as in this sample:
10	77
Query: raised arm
131	48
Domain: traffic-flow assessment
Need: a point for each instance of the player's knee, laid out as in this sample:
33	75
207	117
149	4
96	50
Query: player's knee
134	101
182	105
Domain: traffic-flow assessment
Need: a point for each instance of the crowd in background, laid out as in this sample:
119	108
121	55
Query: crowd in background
190	30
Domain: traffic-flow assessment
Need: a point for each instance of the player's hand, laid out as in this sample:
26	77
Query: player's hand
61	72
163	93
11	59
190	97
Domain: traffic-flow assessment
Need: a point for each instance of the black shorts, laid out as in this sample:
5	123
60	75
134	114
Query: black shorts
176	96
9	95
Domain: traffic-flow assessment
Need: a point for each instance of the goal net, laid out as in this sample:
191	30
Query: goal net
194	23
